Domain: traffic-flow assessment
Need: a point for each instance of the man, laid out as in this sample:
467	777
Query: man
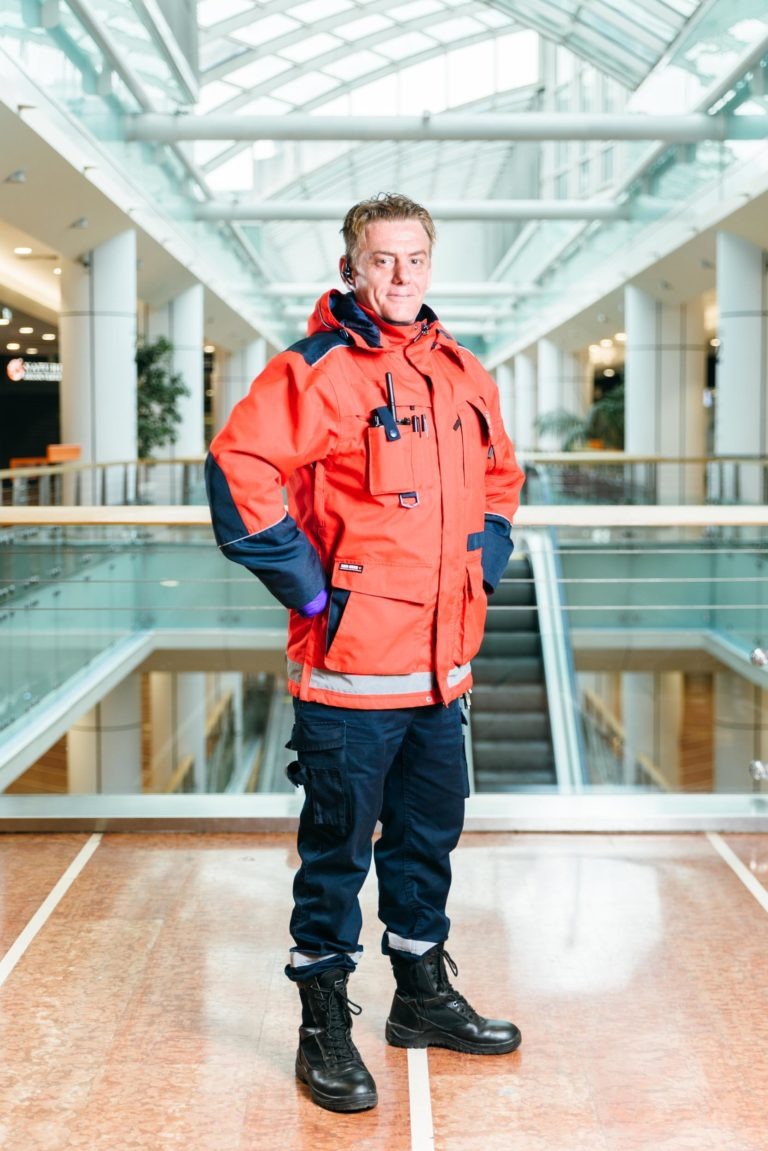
402	486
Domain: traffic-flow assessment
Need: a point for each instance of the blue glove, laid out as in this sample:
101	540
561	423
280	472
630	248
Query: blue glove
316	605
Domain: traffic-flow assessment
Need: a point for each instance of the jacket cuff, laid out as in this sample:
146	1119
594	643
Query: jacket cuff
497	548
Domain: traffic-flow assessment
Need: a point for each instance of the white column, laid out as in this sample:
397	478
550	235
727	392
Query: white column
665	375
574	383
741	404
181	321
98	352
191	723
549	389
505	384
526	403
233	375
104	746
637	718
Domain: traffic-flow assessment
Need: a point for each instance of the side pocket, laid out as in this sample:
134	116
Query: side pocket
390	462
338	601
321	770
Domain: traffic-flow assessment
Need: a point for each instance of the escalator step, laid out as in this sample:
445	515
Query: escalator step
526	669
514	593
506	755
509	697
512	618
514	725
516	781
512	643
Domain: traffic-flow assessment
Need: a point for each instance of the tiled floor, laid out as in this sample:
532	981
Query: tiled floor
151	1013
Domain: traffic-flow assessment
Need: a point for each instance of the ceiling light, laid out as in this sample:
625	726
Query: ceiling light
209	349
22	251
620	337
609	373
26	331
13	347
6	315
17	177
31	351
57	271
714	343
49	335
606	342
3	322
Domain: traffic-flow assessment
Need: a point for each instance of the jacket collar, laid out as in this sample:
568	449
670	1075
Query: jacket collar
340	311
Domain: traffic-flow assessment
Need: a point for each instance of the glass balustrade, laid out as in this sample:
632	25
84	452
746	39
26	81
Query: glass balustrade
618	659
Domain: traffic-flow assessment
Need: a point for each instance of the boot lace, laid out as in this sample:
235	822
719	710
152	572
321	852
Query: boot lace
445	988
338	1010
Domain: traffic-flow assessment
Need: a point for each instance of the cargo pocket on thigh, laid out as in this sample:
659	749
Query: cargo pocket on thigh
321	770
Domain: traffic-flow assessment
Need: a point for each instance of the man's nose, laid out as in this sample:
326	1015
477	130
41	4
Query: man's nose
402	271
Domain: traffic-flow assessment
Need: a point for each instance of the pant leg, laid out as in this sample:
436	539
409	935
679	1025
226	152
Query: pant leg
422	816
344	756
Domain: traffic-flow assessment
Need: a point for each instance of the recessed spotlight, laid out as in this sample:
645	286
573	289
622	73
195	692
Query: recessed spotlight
26	331
714	343
3	322
22	251
13	347
31	351
609	373
620	337
49	335
209	349
57	271
606	342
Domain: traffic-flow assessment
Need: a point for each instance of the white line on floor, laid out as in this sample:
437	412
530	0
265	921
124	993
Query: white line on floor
46	908
422	1131
744	874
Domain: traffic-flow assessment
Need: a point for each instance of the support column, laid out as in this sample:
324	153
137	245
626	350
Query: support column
741	404
233	375
98	353
738	734
549	391
526	403
181	321
665	380
191	723
104	747
178	712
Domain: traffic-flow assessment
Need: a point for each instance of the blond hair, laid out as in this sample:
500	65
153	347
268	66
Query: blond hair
385	206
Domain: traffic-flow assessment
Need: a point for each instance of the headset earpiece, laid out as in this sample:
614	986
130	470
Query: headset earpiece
347	272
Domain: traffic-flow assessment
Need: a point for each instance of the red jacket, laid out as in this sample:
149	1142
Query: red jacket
406	523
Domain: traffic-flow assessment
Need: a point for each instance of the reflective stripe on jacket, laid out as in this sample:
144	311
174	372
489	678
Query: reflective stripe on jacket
406	523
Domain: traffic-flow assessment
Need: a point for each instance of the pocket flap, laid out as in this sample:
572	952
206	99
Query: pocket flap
475	578
389	581
326	735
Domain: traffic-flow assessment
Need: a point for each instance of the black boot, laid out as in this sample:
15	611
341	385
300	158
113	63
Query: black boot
428	1012
327	1059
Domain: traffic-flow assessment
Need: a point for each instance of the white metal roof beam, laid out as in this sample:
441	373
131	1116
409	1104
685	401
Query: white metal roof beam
449	126
441	209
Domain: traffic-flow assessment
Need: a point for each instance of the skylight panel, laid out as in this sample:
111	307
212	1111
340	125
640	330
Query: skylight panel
416	10
400	47
354	65
210	12
310	47
316	10
214	94
269	28
258	71
493	18
453	30
305	88
366	26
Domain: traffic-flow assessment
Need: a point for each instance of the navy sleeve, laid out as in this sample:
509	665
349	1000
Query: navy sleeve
497	548
281	556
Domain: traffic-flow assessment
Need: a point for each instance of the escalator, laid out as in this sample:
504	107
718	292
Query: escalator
512	746
524	730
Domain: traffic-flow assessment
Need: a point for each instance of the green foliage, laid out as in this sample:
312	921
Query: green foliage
159	391
604	422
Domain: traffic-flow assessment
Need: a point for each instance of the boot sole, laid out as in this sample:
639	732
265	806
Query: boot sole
399	1036
358	1103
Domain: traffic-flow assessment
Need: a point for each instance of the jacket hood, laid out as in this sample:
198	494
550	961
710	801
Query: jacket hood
339	311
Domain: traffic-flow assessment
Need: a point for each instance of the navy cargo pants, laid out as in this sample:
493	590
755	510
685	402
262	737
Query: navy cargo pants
404	766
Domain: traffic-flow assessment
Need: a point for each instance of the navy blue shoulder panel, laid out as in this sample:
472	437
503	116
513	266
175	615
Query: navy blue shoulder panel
313	348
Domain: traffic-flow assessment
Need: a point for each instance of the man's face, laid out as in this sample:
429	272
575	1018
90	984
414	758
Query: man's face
393	269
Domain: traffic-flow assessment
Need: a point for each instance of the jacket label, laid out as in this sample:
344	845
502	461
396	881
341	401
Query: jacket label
350	567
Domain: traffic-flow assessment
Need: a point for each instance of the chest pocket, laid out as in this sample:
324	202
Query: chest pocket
476	428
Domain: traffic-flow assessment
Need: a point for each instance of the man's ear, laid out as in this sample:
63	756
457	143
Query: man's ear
345	268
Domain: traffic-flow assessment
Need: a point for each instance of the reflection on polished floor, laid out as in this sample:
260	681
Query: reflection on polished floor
143	1003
